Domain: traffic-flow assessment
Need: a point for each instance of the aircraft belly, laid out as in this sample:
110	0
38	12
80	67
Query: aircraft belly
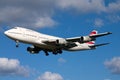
46	47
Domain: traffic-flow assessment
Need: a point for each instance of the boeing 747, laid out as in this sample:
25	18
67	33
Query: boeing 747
53	44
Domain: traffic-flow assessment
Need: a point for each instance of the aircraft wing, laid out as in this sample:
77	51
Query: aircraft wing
71	41
84	39
101	34
60	43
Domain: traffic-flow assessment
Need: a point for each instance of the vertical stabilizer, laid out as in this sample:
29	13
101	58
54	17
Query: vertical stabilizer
94	32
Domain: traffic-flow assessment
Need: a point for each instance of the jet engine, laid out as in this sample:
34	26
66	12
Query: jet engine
33	50
61	42
86	39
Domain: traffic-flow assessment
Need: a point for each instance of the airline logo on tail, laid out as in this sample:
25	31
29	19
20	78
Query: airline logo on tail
94	32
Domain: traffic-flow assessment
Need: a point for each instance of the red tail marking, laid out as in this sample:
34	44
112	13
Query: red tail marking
93	32
91	42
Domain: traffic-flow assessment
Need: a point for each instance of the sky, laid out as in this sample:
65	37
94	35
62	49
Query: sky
62	18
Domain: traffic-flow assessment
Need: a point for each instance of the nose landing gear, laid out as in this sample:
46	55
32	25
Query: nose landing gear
17	43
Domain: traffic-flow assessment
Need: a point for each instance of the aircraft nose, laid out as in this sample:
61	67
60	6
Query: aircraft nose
6	32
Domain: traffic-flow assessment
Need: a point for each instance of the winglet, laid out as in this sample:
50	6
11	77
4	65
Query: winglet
109	33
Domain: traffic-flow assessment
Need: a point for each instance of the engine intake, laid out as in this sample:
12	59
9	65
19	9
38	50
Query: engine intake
86	39
61	42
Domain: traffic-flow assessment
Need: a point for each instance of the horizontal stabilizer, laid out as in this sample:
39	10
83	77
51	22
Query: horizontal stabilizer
97	45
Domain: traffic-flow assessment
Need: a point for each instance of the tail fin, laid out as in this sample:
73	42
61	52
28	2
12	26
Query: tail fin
92	33
91	43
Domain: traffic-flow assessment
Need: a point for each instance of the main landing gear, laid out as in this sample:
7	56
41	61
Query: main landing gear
54	52
46	53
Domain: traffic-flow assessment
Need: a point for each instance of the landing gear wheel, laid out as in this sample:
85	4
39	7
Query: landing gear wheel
46	53
60	52
55	53
17	43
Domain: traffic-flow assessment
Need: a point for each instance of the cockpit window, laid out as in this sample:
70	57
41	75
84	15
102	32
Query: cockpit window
15	28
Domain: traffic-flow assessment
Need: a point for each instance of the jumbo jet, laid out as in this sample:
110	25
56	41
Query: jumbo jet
53	44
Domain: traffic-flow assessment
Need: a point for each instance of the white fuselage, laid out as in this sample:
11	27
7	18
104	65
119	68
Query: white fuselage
35	38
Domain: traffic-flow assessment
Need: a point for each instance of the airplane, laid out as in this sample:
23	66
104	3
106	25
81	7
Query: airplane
53	44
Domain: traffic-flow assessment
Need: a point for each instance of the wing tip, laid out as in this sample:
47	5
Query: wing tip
109	32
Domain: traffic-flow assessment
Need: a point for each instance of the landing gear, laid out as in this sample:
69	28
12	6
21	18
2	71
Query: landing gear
46	53
57	52
17	43
33	50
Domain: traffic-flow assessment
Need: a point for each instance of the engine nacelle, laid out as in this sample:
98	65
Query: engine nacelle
61	42
86	39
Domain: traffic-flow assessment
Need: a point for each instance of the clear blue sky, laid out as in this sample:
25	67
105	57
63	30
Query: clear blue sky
63	18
